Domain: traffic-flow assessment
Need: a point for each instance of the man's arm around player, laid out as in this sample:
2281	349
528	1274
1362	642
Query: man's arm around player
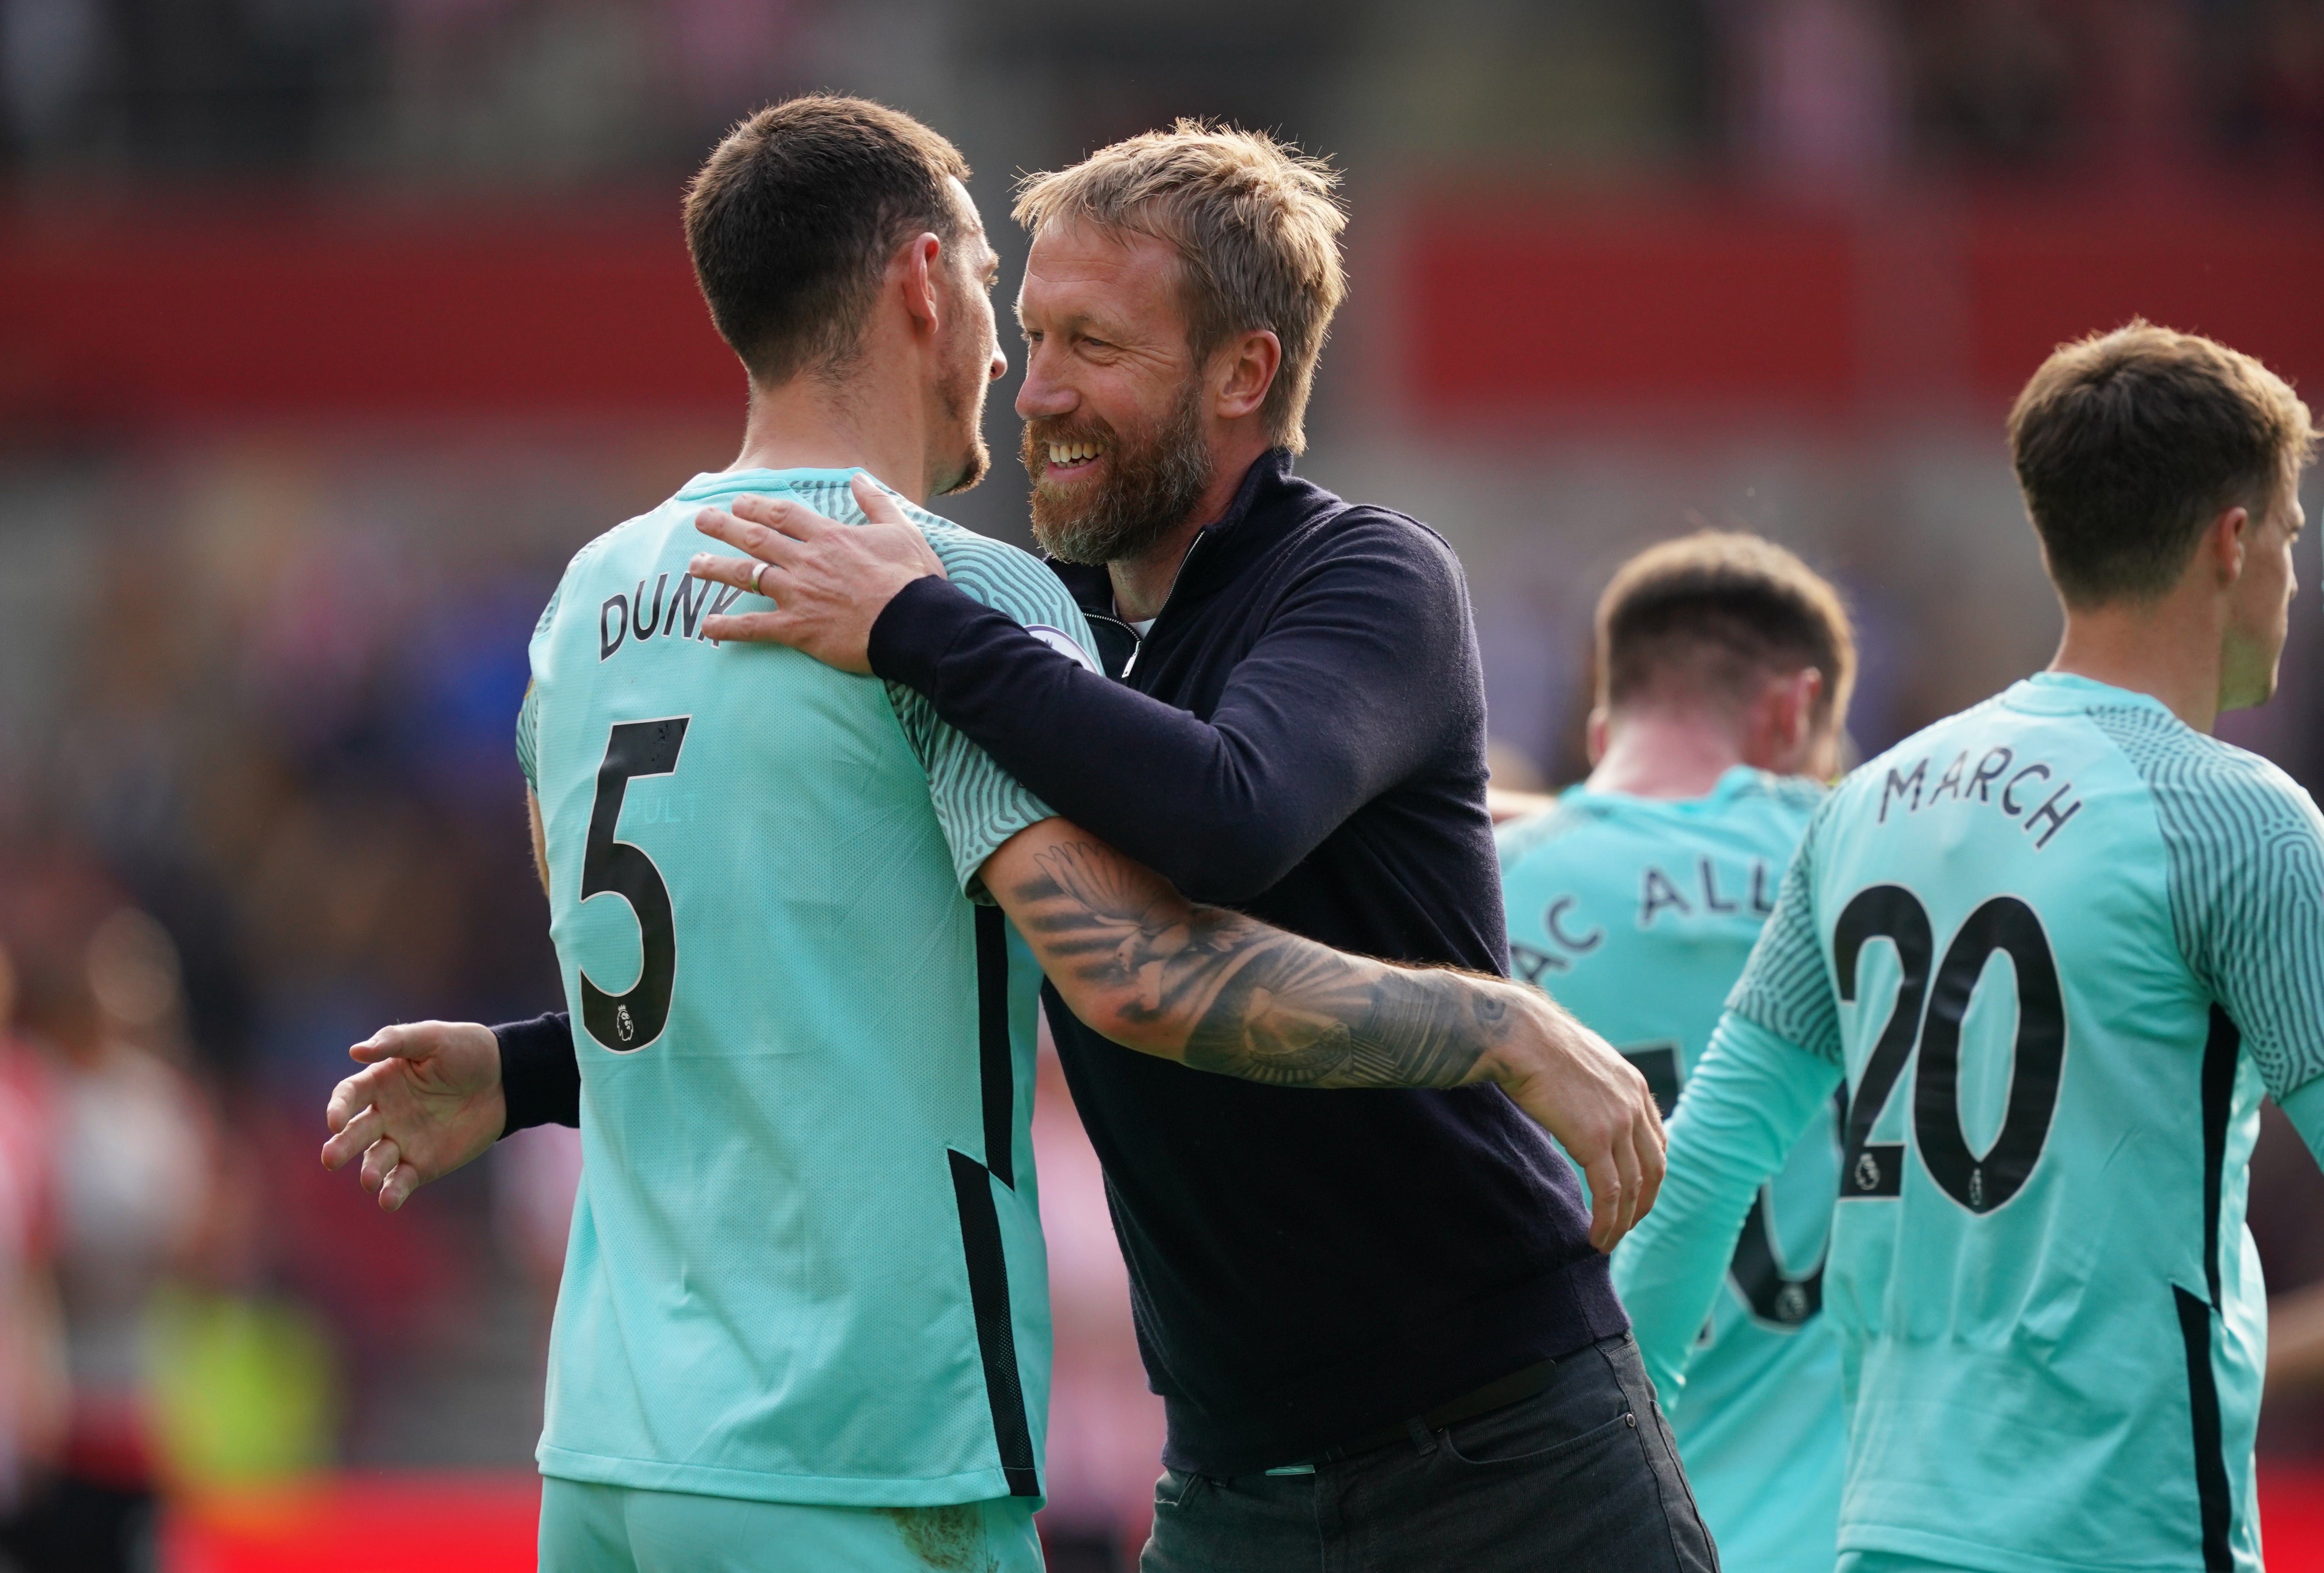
1153	971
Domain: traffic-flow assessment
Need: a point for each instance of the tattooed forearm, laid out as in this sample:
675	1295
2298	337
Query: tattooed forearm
1252	1002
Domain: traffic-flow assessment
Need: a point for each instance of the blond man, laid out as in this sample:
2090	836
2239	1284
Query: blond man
1382	1323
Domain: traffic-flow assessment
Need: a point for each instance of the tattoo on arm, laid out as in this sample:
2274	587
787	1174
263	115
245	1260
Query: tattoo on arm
1255	1002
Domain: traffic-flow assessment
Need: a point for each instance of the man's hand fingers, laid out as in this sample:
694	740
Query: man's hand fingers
1605	1199
356	1134
379	1161
1652	1164
406	1040
782	519
741	573
1632	1168
756	628
401	1181
348	1099
768	546
878	503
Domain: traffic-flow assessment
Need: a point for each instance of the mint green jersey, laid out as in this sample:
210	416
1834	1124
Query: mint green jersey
1637	915
806	1263
2060	945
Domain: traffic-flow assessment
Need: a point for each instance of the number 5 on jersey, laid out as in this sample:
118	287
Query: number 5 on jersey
624	1022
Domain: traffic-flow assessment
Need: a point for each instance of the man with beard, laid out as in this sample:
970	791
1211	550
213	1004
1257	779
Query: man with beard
1377	1319
802	1323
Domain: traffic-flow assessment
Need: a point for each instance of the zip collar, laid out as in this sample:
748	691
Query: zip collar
1268	503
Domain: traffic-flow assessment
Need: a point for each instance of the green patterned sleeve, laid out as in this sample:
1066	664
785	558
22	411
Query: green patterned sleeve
979	805
528	738
1786	986
2247	878
528	714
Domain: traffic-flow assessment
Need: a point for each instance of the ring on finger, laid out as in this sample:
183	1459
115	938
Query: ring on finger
755	572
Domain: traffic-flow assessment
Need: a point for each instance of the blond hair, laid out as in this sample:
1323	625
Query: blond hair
2128	444
1252	219
1712	614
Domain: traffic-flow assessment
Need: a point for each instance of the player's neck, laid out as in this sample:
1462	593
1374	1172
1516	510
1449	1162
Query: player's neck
806	424
1659	754
2168	648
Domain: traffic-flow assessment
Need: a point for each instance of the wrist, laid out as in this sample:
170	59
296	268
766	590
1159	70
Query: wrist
910	634
1519	1051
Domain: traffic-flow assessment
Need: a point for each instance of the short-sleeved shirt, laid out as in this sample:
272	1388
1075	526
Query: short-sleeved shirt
1637	915
805	1262
2061	945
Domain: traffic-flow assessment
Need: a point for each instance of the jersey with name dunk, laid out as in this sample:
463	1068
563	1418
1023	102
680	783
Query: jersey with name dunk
1637	915
806	1263
2061	945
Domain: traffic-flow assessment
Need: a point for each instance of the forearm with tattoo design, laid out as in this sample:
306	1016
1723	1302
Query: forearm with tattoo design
1252	1002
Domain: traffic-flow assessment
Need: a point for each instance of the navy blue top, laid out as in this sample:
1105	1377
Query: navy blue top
1301	735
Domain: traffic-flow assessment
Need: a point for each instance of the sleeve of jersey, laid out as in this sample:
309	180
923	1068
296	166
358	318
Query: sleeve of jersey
979	805
528	739
1749	1100
1786	986
2247	897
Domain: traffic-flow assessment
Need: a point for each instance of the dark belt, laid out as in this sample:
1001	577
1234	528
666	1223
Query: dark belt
1498	1394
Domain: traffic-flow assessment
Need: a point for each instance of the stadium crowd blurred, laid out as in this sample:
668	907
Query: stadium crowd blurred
257	680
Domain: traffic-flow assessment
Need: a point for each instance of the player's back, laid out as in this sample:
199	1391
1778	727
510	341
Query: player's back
805	1262
2049	1309
1637	915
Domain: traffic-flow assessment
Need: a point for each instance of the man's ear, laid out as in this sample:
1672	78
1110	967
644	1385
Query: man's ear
2227	543
1249	364
1594	734
922	260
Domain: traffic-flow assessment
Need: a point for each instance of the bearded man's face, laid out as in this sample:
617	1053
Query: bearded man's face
1117	438
1147	480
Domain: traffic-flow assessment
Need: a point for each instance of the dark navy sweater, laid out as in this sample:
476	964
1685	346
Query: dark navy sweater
1300	736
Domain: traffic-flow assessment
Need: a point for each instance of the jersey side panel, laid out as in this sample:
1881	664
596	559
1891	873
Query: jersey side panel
2022	1204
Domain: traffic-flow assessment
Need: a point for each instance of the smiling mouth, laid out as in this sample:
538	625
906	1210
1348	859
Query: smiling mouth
1069	459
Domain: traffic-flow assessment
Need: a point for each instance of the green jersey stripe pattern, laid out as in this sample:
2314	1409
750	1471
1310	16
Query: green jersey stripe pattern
2246	884
806	1263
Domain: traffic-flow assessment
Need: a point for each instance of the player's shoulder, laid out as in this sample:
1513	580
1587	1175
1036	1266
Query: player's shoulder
594	551
1518	839
2205	788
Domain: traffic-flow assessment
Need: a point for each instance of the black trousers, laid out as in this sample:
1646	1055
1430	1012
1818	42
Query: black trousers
1582	1477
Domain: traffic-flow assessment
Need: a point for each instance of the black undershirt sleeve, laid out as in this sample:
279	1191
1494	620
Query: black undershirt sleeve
540	1075
1360	671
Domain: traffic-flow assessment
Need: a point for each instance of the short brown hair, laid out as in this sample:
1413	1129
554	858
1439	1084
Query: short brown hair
792	221
2128	443
1252	219
1711	616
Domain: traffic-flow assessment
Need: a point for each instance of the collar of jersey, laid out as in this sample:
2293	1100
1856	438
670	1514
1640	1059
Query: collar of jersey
2069	694
729	482
1734	780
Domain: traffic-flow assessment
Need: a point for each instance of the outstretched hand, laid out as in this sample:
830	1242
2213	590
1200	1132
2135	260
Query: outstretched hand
828	581
428	1101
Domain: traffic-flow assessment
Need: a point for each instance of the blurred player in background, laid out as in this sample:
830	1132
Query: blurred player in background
1724	666
2058	947
803	1321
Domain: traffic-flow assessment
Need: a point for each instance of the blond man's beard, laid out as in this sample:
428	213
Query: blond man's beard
1149	486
